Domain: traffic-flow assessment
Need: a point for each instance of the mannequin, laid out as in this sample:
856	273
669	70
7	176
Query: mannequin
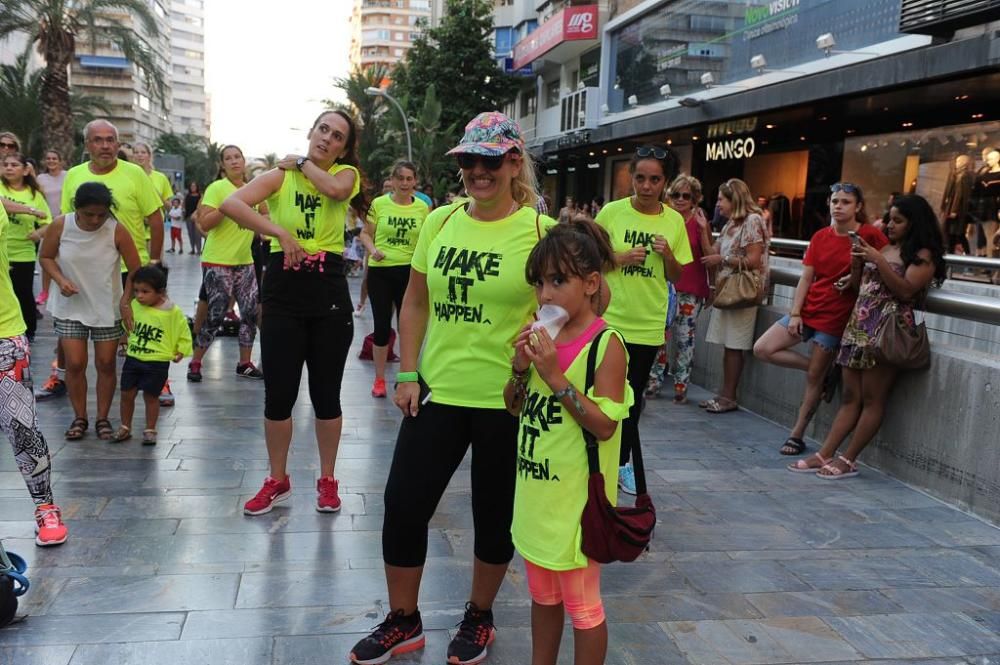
986	198
955	207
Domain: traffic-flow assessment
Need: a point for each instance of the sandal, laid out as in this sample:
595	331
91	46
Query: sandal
123	434
703	404
103	428
802	465
831	472
793	446
77	429
149	437
721	405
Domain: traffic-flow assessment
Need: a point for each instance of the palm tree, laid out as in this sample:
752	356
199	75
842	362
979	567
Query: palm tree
263	164
21	109
55	27
368	110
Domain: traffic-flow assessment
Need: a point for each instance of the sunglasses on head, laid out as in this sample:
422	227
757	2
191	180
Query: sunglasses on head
468	160
12	146
654	152
683	196
848	187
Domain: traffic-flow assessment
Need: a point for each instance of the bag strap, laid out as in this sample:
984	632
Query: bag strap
593	460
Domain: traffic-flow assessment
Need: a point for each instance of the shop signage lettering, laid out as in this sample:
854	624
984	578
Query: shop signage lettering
732	149
760	20
741	126
569	24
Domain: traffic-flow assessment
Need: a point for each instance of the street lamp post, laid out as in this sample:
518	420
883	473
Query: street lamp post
379	92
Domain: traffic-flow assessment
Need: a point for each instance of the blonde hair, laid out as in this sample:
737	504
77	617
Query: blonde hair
737	192
524	187
691	182
13	137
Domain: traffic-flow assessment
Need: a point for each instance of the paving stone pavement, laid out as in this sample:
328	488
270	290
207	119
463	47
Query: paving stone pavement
750	564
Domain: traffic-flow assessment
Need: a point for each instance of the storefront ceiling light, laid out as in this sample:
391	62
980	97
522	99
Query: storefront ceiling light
851	131
802	138
591	154
670	141
604	152
961	98
694	138
770	126
824	118
907	124
864	148
977	116
619	149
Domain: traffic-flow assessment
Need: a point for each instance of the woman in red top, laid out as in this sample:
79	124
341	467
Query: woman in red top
820	310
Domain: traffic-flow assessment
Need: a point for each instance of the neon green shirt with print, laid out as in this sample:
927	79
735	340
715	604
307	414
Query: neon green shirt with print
133	194
478	301
158	334
639	293
315	220
21	248
11	321
397	228
228	243
552	469
162	186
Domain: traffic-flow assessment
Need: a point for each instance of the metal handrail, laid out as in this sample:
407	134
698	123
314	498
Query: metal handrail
984	309
953	260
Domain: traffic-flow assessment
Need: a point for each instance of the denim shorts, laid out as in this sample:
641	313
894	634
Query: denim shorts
829	342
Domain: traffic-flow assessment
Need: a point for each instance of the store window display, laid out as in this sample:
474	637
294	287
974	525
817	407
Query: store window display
954	213
986	200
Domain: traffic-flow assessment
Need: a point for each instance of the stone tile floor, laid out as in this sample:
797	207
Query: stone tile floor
750	564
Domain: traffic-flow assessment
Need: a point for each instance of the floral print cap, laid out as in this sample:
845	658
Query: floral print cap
491	134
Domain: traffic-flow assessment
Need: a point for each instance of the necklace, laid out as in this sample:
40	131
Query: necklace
510	212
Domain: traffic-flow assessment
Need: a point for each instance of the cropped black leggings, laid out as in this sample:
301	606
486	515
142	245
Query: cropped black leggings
640	361
321	343
386	287
22	278
429	449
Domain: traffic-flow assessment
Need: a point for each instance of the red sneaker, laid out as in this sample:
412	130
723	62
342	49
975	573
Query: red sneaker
272	492
327	499
49	527
378	388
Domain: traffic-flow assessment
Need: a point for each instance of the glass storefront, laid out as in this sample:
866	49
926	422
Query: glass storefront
681	41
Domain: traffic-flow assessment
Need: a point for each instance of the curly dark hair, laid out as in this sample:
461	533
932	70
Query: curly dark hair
923	233
361	201
577	248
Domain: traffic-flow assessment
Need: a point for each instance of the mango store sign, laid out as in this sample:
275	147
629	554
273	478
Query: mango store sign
570	24
731	149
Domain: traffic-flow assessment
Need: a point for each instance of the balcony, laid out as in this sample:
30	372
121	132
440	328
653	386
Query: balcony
577	111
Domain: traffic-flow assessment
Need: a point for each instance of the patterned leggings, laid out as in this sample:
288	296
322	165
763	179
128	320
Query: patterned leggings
683	333
19	421
221	283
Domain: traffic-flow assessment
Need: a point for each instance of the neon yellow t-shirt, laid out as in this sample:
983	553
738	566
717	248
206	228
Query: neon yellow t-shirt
552	470
132	192
158	334
11	321
478	301
228	243
20	248
639	294
316	221
397	228
162	186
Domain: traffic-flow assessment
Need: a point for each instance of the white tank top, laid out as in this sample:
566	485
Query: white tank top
90	260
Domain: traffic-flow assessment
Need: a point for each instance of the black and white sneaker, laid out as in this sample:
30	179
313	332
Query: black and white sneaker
398	634
249	371
475	633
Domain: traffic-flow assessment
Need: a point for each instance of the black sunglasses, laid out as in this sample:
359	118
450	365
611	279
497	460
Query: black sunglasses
683	196
848	187
655	153
468	160
12	146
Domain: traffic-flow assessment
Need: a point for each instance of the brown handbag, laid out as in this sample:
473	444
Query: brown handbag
903	346
740	288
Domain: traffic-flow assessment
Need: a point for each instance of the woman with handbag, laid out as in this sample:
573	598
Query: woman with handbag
741	257
651	248
820	310
559	397
881	336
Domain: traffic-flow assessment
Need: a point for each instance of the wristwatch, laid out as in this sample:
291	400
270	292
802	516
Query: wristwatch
300	162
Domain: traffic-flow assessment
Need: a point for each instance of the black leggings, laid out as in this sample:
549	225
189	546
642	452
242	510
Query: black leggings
386	287
322	343
640	361
22	277
428	450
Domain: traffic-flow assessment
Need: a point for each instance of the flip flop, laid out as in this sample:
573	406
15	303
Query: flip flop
798	446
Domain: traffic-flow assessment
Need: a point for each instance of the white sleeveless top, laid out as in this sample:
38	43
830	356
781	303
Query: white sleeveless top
90	260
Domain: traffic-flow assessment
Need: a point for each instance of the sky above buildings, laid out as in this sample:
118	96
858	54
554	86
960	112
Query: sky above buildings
269	65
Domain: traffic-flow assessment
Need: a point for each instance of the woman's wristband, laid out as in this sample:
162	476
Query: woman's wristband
407	377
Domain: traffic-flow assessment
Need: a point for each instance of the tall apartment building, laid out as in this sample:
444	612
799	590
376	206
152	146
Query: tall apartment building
384	30
105	72
189	112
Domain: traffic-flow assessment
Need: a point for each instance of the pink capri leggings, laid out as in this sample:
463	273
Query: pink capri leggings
579	591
